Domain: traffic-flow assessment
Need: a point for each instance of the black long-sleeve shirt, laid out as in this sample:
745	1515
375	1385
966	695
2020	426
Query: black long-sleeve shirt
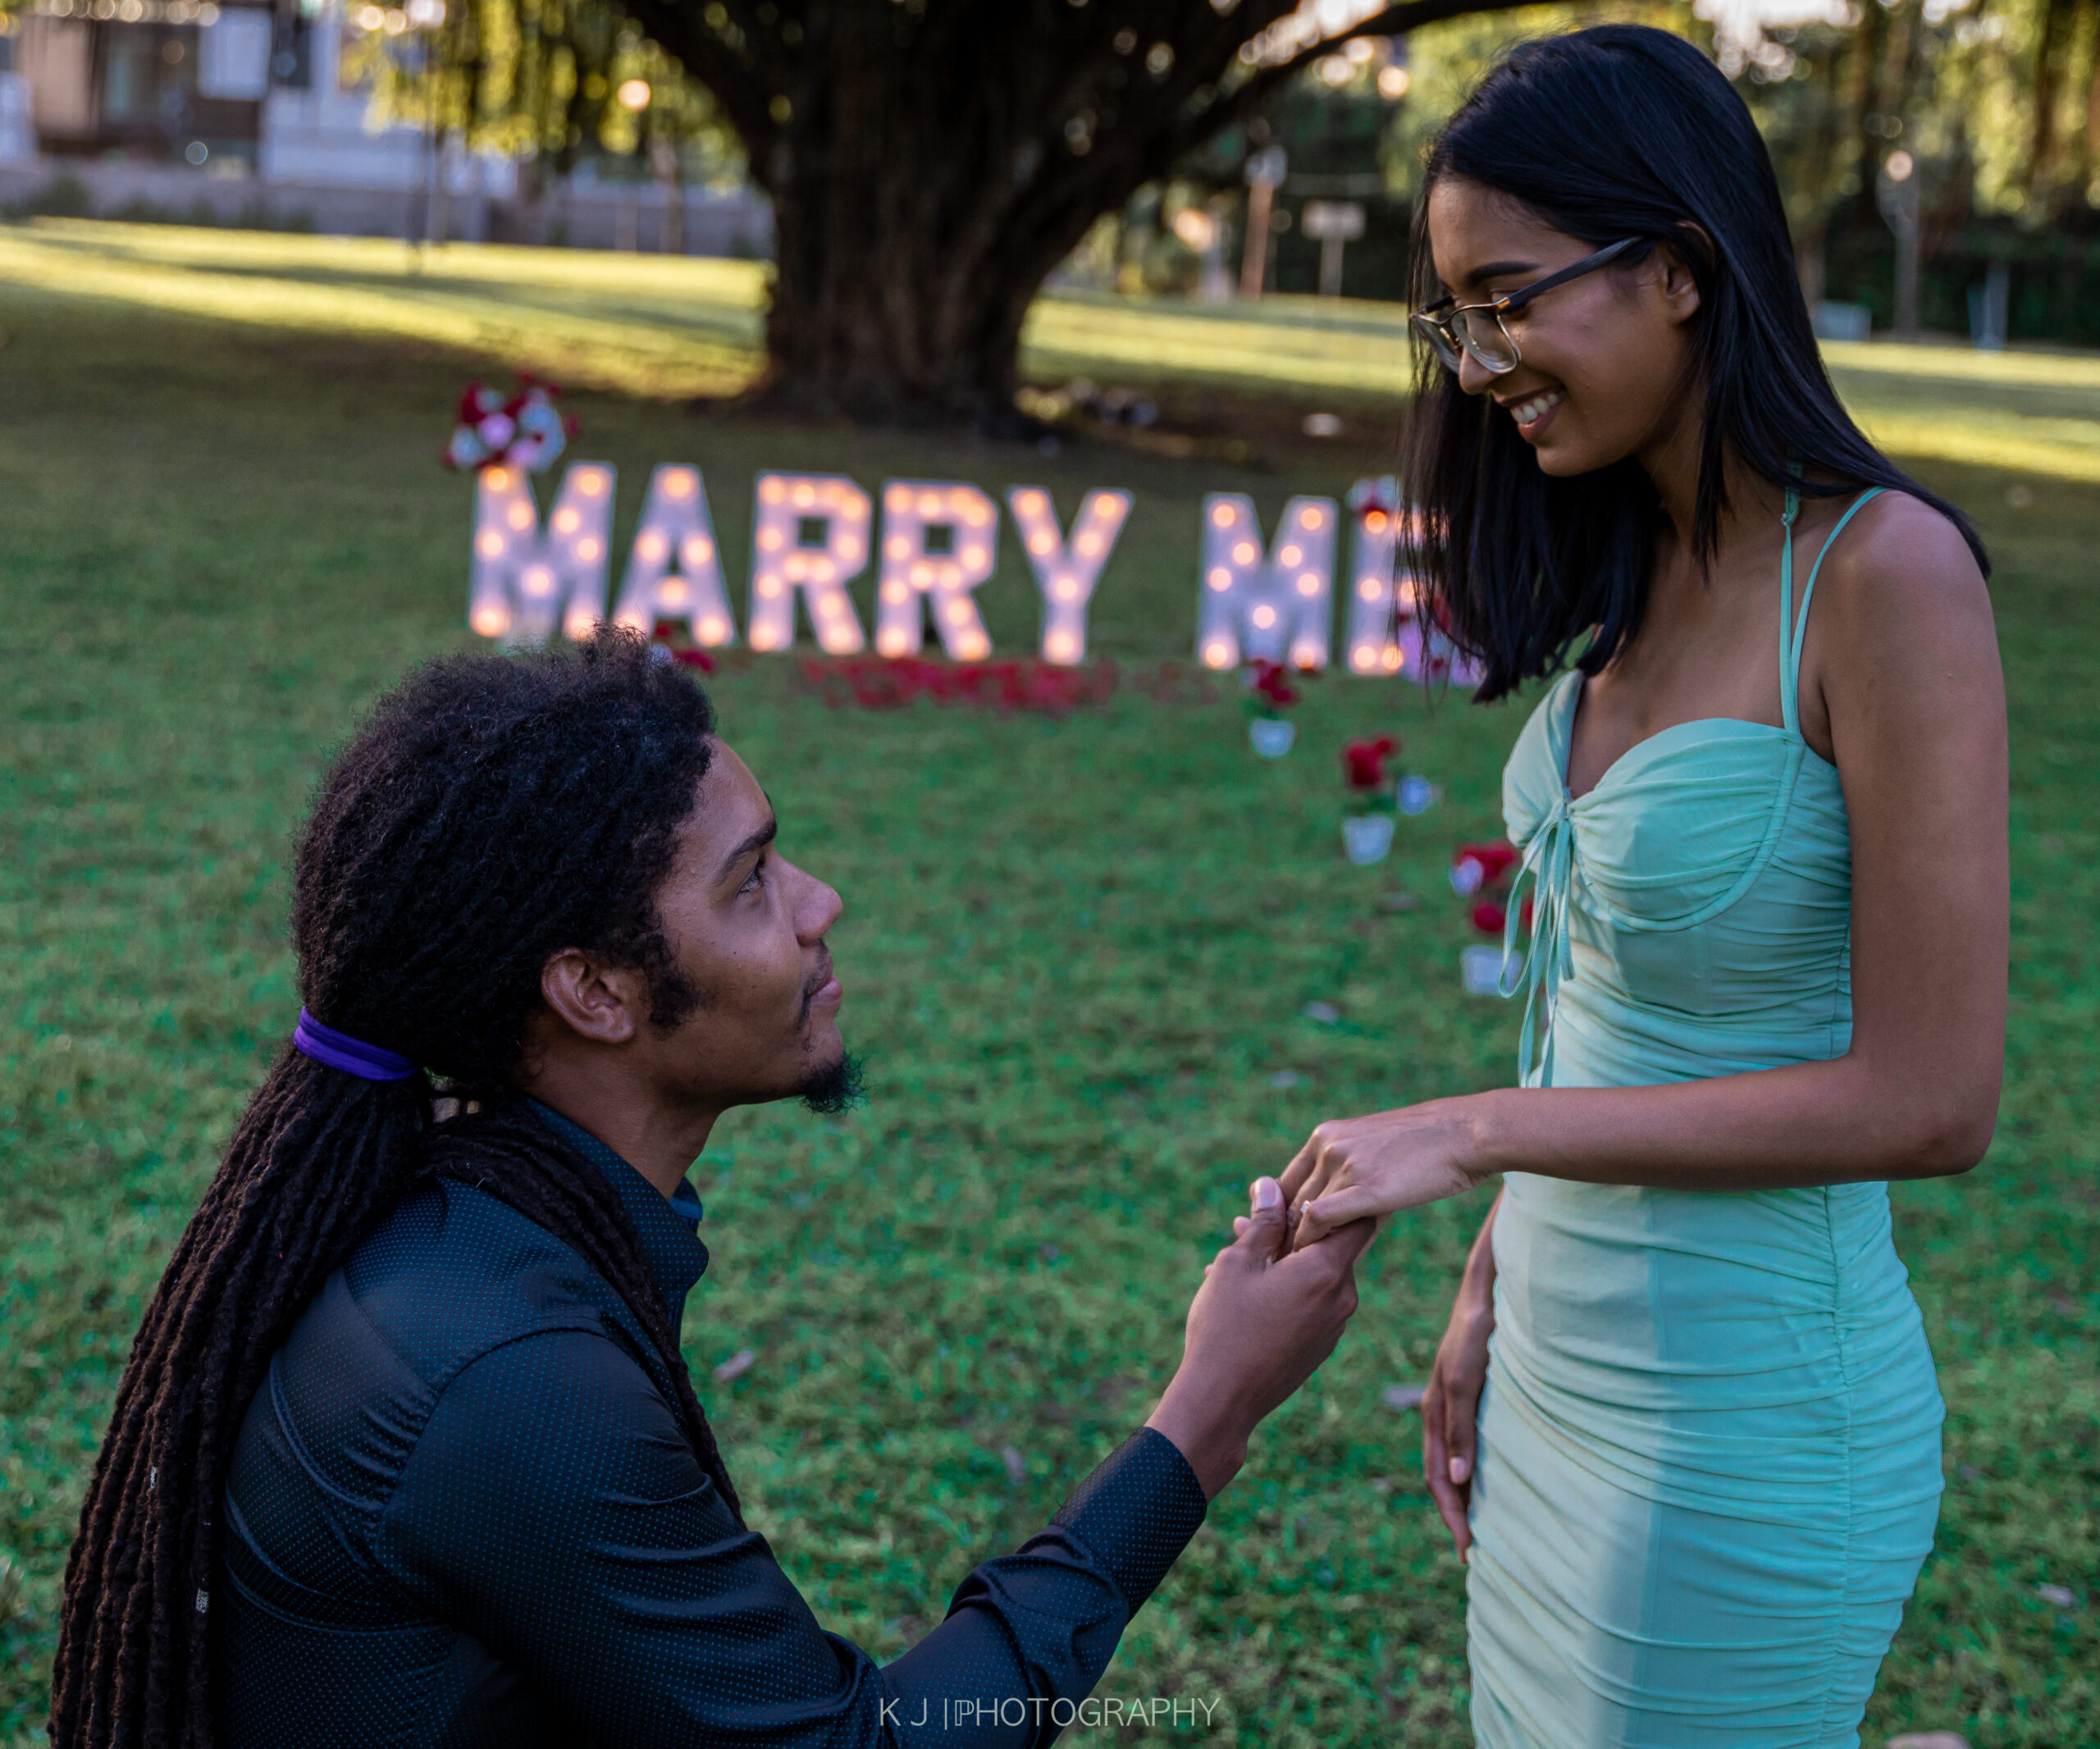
461	1512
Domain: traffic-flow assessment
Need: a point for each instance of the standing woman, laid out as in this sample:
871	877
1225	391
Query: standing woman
1763	818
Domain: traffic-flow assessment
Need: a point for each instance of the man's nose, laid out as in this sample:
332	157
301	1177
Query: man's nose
817	908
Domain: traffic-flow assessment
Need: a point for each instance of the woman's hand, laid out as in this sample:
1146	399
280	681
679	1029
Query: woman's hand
1355	1167
1451	1408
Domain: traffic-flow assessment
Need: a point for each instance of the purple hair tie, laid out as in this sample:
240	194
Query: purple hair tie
339	1050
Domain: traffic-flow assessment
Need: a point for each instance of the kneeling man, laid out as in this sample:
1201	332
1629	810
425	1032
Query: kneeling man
406	1451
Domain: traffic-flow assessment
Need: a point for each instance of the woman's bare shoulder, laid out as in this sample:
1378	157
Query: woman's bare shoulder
1902	568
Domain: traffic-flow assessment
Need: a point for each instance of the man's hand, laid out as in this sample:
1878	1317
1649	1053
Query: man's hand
1264	1319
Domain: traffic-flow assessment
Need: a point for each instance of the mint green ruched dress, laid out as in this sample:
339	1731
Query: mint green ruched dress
1710	1454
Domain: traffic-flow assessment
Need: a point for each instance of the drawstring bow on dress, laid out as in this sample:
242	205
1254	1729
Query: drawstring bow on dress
1549	863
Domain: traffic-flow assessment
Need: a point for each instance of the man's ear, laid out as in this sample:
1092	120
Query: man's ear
604	1004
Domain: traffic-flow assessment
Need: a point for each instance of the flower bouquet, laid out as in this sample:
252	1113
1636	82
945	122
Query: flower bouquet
1482	873
1368	825
525	431
1269	695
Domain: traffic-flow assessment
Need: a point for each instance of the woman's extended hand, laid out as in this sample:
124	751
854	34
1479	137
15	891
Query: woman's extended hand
1352	1168
1450	1407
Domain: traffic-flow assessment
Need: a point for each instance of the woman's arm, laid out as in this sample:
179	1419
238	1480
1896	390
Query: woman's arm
1904	675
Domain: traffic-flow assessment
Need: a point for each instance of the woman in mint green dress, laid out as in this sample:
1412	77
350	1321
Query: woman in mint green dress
1683	1425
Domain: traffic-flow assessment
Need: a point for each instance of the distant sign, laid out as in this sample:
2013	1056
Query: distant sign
1266	168
1342	220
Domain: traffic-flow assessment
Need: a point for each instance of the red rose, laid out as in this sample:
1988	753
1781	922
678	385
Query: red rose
1364	760
1495	859
1489	917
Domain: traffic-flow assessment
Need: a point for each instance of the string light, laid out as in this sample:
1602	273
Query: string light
913	568
672	570
1250	606
835	515
1067	575
524	582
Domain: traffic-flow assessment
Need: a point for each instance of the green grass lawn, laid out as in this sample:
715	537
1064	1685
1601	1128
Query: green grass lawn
1077	954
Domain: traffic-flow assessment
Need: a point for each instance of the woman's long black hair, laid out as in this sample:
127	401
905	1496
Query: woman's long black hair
492	811
1613	132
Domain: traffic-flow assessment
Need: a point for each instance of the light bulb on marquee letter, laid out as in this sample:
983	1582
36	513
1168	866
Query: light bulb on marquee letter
916	565
809	536
1388	632
1380	592
525	581
1067	573
673	569
1276	605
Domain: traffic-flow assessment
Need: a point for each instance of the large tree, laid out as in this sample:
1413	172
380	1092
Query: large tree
930	162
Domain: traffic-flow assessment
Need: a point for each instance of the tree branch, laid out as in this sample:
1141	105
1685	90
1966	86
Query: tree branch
1248	95
742	86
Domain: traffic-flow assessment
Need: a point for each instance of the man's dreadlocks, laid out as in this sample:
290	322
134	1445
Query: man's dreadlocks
492	811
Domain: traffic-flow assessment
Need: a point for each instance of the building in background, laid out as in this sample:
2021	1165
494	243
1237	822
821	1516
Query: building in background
260	115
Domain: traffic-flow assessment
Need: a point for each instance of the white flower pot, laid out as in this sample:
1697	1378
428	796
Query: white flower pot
1271	736
1367	837
1480	969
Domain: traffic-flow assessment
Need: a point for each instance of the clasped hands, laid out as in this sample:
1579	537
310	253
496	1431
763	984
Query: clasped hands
1274	1302
1354	1169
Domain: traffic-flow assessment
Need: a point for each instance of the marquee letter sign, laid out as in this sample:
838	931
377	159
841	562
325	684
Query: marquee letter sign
674	571
813	534
525	581
940	540
810	534
1065	573
1286	595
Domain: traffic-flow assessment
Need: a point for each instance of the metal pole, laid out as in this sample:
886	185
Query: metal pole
1265	175
1330	265
1254	258
1895	193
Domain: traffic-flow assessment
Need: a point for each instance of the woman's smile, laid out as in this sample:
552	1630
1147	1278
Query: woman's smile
1534	413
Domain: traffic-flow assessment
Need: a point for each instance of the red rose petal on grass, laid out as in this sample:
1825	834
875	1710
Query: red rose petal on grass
1489	917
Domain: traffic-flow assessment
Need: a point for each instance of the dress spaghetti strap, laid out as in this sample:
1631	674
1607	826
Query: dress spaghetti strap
1793	626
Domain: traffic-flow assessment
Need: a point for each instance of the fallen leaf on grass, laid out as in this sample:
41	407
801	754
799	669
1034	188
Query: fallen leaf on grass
2058	1597
736	1366
1403	1398
1016	1464
1928	1740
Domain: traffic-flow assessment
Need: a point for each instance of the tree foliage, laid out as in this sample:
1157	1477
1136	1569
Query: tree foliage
930	162
539	80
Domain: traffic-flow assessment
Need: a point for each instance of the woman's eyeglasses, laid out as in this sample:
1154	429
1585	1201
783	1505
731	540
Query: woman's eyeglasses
1458	331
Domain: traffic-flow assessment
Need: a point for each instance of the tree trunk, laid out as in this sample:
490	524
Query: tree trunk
914	223
930	163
